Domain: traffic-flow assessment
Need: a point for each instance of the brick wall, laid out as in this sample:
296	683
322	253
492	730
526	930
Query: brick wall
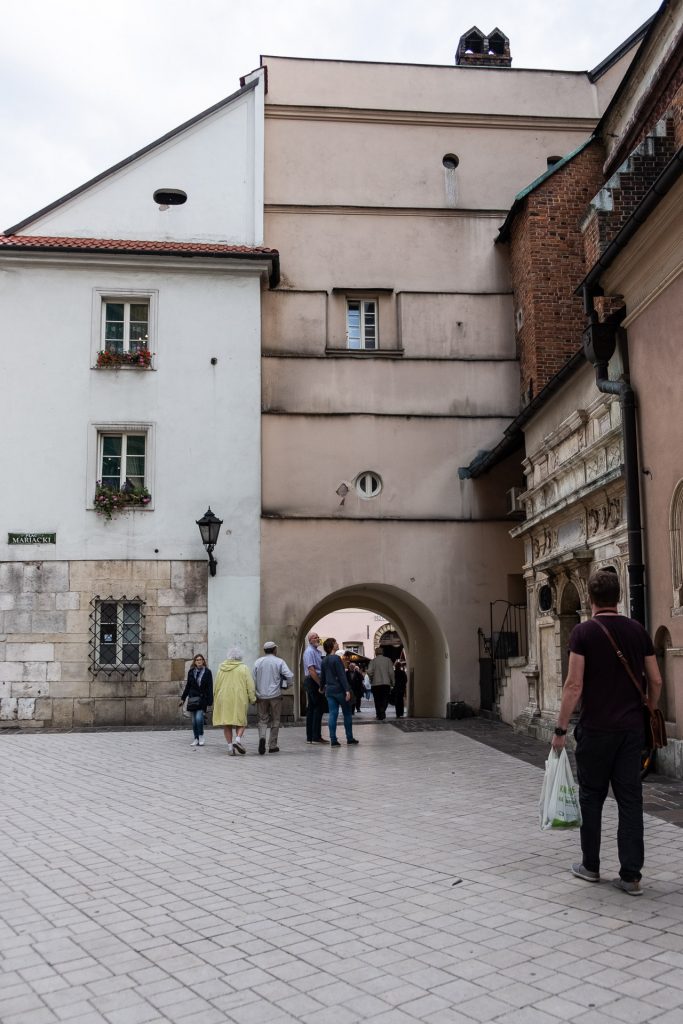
547	262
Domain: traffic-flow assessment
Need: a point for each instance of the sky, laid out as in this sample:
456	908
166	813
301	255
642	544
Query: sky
85	83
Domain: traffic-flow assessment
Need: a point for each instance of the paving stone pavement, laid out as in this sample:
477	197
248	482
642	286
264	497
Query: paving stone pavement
403	880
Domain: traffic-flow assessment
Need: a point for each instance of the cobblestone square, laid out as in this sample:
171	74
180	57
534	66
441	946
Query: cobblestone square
144	881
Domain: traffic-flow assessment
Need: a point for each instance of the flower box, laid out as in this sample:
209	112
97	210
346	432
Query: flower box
110	501
141	358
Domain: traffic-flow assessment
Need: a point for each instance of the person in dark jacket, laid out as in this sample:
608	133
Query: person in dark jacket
199	693
354	678
338	692
400	683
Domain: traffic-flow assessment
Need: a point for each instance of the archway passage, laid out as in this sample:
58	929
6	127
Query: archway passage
360	633
423	639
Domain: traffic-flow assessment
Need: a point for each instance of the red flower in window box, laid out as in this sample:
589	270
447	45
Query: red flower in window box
141	358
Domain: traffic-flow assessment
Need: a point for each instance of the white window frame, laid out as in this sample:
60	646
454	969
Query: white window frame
95	434
124	435
123	295
360	301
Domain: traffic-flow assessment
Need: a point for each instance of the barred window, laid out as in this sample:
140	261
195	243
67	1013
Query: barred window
116	635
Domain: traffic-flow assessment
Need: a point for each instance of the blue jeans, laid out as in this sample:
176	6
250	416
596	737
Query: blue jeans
198	723
347	711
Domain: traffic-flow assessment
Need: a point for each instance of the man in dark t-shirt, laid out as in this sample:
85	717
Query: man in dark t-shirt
609	734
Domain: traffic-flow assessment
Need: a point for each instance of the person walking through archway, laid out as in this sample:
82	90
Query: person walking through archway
381	672
400	683
338	692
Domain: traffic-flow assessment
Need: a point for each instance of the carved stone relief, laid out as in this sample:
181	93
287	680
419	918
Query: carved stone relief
604	517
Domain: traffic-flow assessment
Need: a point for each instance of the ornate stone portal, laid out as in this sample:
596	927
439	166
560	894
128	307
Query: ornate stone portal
575	522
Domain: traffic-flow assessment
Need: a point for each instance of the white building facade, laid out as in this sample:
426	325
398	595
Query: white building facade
131	331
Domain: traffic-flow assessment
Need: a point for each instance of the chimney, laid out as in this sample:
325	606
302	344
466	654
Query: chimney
475	50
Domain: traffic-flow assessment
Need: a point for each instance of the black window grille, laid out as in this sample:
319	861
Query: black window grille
116	635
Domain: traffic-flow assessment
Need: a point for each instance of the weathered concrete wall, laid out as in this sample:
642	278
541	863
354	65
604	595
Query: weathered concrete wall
46	672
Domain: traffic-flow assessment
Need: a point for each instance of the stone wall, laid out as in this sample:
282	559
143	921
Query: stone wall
46	675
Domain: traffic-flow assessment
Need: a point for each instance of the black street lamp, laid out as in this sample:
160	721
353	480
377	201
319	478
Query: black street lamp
210	528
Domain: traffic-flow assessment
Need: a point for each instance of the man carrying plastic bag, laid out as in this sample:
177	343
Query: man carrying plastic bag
609	734
559	803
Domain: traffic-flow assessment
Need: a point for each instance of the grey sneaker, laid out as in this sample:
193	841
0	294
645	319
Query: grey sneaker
588	876
632	888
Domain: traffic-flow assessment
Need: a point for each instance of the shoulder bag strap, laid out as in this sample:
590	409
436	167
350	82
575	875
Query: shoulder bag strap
623	661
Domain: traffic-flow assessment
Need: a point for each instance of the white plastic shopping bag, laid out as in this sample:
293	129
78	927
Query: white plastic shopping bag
559	803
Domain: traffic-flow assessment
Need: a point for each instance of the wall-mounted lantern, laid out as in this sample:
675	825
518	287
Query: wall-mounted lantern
210	528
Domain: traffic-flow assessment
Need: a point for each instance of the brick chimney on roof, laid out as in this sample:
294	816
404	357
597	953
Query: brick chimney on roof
475	50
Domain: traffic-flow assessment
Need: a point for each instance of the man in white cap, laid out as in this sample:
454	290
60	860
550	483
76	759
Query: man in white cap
271	677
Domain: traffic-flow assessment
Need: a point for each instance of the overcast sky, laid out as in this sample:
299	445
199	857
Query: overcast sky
84	83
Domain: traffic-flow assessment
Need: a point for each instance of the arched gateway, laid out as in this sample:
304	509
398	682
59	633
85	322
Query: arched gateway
423	638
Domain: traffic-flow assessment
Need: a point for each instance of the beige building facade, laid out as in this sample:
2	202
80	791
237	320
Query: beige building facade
389	352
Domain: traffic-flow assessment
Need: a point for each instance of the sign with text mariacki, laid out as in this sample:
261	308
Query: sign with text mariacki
31	538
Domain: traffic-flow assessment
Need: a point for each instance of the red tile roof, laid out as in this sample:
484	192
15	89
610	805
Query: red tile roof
137	246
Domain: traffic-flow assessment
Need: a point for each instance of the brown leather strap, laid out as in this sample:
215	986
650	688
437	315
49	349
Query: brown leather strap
623	660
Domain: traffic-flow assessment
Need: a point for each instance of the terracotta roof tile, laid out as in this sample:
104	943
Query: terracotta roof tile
127	245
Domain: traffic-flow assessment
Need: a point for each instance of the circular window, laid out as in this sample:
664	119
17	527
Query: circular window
170	197
368	484
545	598
450	161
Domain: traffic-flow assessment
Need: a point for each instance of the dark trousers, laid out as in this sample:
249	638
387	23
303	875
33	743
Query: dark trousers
381	698
399	702
603	758
316	706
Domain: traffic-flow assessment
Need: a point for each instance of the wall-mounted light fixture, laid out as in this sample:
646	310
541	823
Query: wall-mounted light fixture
210	528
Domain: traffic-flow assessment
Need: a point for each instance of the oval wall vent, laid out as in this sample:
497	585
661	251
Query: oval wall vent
170	197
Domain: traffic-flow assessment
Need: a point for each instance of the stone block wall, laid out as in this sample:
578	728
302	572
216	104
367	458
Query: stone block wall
46	676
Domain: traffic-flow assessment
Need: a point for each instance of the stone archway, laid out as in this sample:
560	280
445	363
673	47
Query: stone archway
424	640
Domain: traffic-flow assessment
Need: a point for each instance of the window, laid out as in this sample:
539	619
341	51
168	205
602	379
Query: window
120	469
368	484
116	632
122	460
361	323
125	326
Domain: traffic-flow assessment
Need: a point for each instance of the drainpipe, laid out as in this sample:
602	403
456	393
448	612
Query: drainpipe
599	344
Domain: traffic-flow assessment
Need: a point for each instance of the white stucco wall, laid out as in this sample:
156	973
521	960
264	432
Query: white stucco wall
218	162
205	420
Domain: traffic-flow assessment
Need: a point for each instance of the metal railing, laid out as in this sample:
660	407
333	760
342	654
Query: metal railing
507	638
